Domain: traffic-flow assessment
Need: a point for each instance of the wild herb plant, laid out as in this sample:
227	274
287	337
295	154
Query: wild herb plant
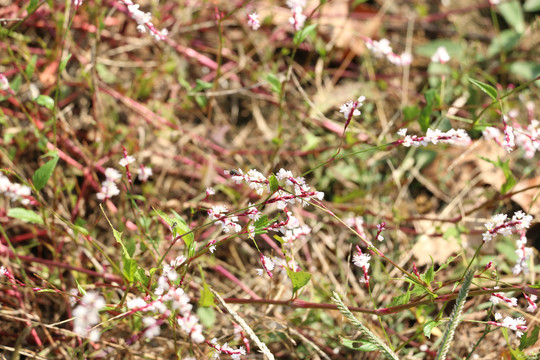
277	180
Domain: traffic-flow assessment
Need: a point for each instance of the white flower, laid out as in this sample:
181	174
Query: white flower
128	159
379	48
353	106
136	303
440	56
86	315
152	329
362	260
253	21
112	174
297	19
145	173
108	190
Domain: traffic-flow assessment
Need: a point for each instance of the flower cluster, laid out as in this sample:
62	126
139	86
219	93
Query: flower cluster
382	49
351	108
297	19
499	225
253	21
108	186
253	178
170	299
16	192
357	223
452	136
86	315
218	214
440	55
269	264
523	253
527	138
531	300
517	325
226	349
497	298
362	261
4	84
144	23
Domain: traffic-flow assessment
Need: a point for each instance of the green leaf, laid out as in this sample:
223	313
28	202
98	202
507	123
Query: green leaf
183	229
513	14
64	62
275	84
299	279
207	315
527	70
25	215
31	67
274	184
401	299
130	267
47	101
447	262
32	6
424	120
410	113
365	345
503	42
207	298
44	173
528	341
488	89
429	326
301	35
430	274
510	179
140	276
202	85
261	222
531	5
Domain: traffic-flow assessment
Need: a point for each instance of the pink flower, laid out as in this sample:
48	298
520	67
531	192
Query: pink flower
441	55
253	21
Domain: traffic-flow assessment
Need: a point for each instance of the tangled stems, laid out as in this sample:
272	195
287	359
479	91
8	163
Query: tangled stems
296	303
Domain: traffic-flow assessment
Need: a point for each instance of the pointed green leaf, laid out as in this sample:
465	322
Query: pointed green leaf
513	14
25	215
207	298
301	35
130	267
274	184
46	101
44	173
429	326
299	279
31	67
488	89
530	340
274	82
64	62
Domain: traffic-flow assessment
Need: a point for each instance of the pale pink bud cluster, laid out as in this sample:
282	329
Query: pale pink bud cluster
108	186
499	224
270	264
14	191
226	349
297	19
517	325
144	23
86	315
253	21
382	49
77	3
4	272
452	136
440	55
380	228
301	189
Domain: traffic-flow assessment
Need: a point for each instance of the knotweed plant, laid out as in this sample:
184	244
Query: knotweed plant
268	179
